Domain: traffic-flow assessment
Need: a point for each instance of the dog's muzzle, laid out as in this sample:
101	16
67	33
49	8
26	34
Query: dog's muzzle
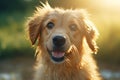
59	50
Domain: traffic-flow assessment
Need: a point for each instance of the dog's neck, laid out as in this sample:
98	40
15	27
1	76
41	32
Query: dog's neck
59	70
49	70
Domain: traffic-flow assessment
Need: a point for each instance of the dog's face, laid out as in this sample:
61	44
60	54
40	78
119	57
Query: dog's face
58	30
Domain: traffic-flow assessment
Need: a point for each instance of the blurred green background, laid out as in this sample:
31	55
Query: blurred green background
104	13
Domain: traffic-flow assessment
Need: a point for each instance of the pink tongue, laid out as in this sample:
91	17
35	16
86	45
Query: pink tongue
58	54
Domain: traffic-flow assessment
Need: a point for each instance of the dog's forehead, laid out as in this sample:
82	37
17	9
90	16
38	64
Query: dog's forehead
63	13
62	17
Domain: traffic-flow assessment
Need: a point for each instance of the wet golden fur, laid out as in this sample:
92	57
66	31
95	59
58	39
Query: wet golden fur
79	63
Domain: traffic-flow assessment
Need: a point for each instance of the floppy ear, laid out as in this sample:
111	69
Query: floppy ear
34	27
34	24
91	35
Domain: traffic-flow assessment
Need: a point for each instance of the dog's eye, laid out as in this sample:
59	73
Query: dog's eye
73	27
50	25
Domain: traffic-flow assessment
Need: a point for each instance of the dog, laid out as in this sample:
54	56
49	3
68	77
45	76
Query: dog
65	41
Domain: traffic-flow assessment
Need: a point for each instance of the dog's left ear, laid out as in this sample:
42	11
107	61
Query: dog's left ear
91	34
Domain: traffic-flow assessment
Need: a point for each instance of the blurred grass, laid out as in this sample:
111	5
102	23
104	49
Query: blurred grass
12	36
109	39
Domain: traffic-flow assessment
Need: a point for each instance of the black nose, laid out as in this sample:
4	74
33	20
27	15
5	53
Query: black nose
59	41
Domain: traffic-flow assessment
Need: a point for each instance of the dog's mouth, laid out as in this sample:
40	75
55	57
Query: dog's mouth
57	55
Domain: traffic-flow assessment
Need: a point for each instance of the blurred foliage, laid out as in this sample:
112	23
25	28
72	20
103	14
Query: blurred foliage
16	5
12	36
14	13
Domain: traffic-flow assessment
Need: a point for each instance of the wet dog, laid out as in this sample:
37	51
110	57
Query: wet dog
65	40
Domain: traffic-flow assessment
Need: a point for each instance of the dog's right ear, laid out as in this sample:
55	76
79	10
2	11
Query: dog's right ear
34	27
34	24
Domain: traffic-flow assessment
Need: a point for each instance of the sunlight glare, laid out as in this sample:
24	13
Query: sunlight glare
112	3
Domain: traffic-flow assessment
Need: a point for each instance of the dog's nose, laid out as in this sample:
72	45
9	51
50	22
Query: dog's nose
59	41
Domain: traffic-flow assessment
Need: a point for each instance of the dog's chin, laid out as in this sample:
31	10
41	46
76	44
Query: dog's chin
57	56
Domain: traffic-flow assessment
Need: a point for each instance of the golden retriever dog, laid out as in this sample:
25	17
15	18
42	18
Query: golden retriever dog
65	41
